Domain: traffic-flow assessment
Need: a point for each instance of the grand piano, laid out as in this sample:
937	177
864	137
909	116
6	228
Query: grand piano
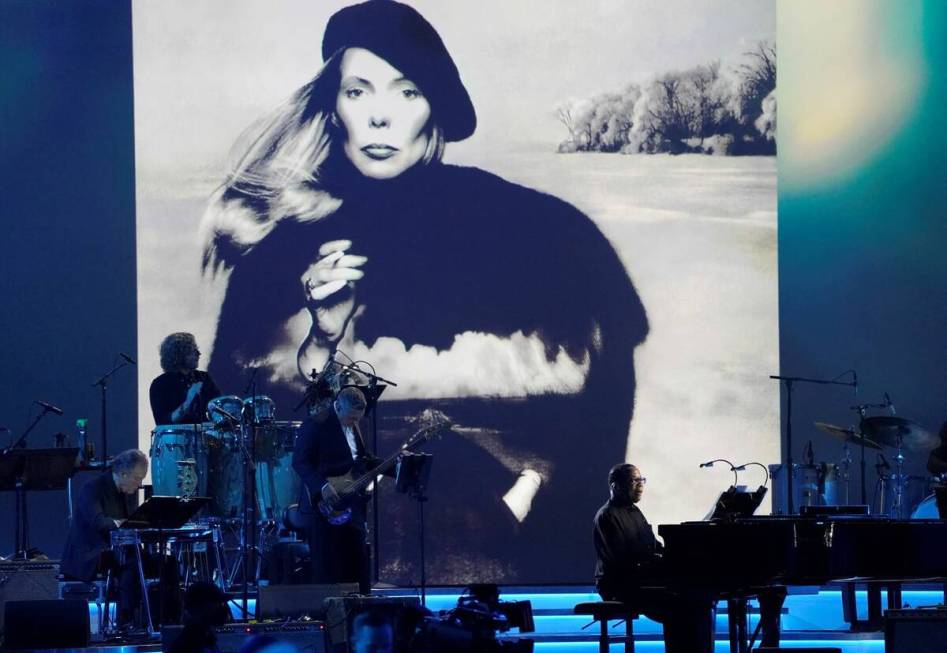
739	558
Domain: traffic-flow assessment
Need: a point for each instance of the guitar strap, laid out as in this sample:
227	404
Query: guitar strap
359	442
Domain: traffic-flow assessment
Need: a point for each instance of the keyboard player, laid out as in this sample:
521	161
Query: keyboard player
103	504
629	568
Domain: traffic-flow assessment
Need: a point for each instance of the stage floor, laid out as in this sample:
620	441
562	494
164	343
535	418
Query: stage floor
811	617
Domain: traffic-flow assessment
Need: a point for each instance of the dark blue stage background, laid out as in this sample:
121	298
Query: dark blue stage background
863	275
67	269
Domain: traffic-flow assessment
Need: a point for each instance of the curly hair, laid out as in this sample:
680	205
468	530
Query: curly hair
175	349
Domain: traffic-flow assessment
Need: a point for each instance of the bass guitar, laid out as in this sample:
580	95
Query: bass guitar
351	487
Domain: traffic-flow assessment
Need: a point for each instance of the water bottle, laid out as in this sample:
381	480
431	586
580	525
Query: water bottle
85	445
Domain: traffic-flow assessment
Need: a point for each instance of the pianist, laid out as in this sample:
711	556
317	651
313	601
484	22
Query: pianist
102	505
629	567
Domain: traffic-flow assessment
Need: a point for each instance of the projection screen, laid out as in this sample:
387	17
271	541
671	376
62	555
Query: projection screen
590	277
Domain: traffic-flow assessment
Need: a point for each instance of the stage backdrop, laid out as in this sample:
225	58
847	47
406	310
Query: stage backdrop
607	292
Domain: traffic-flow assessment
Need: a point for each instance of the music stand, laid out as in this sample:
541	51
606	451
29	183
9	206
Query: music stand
736	503
163	513
22	470
414	469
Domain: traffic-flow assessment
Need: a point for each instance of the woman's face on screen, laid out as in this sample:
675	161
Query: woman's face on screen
383	113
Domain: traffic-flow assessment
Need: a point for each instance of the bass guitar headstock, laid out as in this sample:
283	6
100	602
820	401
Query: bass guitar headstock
432	425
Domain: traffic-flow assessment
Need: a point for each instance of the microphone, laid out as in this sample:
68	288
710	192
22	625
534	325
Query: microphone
128	359
710	463
855	381
49	407
742	468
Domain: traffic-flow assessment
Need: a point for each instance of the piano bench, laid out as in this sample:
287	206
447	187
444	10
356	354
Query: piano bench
605	611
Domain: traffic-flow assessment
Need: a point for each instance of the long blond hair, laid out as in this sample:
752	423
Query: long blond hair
275	171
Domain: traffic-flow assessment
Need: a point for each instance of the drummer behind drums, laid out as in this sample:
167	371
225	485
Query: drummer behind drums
180	395
937	460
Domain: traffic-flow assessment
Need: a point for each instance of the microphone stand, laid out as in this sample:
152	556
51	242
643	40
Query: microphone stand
373	382
103	383
29	428
789	381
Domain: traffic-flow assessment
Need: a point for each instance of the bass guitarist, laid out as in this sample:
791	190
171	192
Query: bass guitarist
330	444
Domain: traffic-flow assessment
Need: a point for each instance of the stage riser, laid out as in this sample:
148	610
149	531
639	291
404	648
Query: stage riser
802	612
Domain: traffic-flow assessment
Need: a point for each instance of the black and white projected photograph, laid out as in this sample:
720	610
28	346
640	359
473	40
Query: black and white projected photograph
552	223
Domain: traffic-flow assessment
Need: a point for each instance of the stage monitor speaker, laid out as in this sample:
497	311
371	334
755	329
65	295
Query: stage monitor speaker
918	630
25	580
341	610
306	637
63	623
294	601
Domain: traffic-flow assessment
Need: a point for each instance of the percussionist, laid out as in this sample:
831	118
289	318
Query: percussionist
180	395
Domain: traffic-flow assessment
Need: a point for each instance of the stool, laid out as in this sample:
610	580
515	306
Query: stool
605	611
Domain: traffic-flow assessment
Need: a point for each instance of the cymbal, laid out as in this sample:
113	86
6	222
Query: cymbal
846	435
886	429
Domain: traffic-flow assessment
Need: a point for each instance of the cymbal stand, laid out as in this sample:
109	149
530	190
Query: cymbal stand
845	466
862	410
899	481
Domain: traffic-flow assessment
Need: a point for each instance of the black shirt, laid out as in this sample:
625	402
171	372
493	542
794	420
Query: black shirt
169	390
625	545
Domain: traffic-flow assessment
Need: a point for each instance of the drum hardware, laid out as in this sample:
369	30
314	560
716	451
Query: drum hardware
789	381
223	411
877	432
894	431
846	435
261	409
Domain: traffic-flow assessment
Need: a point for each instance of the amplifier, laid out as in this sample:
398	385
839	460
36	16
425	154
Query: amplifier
295	601
26	580
918	630
307	637
341	610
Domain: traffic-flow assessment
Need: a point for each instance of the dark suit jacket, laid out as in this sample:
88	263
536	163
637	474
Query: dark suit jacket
321	450
99	504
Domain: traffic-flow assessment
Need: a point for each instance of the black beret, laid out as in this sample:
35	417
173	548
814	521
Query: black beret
402	37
